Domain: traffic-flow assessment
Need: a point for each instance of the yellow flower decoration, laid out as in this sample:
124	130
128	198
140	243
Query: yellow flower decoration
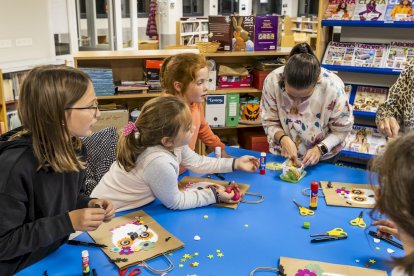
127	241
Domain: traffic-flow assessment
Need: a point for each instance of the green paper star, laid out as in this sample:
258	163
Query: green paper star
196	254
372	261
187	256
210	256
183	260
180	265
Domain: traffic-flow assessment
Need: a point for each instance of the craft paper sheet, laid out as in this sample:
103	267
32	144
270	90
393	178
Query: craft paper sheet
349	195
192	183
313	268
136	237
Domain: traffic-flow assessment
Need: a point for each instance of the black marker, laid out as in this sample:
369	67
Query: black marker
74	242
220	176
94	273
328	239
396	244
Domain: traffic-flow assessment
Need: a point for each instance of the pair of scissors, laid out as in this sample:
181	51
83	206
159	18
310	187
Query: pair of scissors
135	271
304	211
336	232
359	221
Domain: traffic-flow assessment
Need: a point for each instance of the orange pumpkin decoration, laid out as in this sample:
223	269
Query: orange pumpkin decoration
250	113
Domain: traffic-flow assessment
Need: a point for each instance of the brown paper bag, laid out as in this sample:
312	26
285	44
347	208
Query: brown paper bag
348	195
292	266
136	237
183	185
233	70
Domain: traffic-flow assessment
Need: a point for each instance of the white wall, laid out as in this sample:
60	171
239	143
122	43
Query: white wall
245	7
26	22
290	7
210	7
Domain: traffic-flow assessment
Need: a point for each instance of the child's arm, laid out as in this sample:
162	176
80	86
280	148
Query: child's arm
161	176
203	164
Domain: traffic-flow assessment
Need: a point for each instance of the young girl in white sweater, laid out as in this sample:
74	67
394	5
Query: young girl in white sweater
148	156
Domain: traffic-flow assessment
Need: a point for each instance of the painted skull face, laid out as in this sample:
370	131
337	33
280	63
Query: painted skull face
359	196
130	235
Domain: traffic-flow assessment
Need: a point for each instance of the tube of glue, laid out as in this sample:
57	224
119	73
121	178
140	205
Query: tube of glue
314	195
85	263
217	152
263	163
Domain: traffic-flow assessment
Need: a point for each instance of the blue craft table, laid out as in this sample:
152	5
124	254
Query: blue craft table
253	235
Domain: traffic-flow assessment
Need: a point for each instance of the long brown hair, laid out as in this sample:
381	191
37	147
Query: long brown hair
302	69
182	68
394	172
160	117
45	93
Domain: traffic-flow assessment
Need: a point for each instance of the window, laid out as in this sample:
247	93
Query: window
101	8
193	8
308	7
228	7
267	7
143	8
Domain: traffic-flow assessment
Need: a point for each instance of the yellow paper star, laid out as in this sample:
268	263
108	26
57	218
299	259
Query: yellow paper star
205	216
220	255
187	256
210	256
195	264
170	254
180	265
372	261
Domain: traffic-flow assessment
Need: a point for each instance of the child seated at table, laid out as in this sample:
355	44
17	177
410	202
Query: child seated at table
396	188
148	156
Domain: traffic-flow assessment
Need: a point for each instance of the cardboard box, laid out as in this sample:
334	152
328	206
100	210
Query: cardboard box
221	30
112	118
243	33
266	33
216	110
232	110
259	77
254	140
152	69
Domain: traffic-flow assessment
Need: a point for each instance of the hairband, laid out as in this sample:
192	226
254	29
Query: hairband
129	128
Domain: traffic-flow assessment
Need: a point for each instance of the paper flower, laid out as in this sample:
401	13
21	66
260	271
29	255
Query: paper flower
147	245
115	249
315	268
136	248
305	272
342	190
126	250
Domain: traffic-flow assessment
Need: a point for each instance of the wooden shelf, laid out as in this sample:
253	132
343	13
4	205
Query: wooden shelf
129	96
235	90
11	102
239	126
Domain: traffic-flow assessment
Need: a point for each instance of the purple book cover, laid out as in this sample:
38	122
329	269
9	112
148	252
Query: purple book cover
266	33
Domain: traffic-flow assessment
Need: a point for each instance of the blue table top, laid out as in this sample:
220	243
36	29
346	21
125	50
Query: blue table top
253	235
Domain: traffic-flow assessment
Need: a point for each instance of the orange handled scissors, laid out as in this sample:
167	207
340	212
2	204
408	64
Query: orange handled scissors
304	211
359	221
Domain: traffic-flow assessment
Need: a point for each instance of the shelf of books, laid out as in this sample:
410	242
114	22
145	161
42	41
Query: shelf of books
191	30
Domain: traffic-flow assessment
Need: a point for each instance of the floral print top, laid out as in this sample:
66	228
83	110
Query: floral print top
325	116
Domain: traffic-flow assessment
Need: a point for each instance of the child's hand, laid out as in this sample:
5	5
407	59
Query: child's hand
226	197
247	163
87	219
386	228
104	204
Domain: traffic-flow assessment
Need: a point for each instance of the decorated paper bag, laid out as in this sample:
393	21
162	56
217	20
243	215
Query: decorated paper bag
348	195
134	238
290	266
192	183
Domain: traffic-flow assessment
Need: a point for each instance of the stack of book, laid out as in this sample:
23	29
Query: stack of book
132	87
102	80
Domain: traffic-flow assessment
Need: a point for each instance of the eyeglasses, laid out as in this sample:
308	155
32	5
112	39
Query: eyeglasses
94	106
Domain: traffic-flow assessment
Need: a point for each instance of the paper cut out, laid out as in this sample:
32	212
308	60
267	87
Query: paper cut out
348	194
136	236
300	267
192	183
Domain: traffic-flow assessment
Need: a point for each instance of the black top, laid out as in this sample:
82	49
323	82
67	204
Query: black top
34	205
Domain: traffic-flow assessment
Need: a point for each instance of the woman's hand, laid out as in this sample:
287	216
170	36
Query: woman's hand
105	205
247	163
389	126
386	228
311	157
289	149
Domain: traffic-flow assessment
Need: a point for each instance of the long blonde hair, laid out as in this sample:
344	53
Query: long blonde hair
160	117
182	68
45	94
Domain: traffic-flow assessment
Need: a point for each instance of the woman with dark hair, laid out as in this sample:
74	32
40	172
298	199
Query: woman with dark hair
304	109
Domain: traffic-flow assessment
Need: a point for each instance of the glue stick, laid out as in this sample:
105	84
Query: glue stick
263	163
314	195
217	152
85	263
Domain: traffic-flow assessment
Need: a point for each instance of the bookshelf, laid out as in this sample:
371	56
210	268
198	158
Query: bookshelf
3	117
306	27
361	32
129	65
191	30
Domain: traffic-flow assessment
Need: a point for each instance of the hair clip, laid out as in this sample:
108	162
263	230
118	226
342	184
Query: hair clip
129	128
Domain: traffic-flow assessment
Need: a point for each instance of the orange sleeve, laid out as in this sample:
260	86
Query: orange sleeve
205	134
